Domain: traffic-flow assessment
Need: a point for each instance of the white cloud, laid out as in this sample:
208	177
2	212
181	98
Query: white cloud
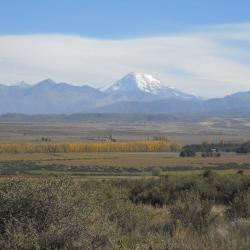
212	61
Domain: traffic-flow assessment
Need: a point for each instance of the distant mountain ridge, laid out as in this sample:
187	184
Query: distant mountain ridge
134	93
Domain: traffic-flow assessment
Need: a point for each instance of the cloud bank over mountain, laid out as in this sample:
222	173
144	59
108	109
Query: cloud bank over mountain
208	61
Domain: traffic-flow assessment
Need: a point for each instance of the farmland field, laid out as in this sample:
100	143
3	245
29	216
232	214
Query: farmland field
121	163
94	129
125	159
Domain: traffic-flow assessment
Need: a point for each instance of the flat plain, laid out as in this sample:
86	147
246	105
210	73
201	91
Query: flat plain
96	127
89	129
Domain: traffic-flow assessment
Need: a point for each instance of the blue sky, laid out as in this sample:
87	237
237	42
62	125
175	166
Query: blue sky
202	47
117	18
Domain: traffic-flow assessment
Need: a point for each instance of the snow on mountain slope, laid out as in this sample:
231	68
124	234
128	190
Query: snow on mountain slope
135	81
146	83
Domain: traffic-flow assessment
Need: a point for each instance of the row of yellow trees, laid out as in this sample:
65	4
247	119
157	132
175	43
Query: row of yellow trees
133	146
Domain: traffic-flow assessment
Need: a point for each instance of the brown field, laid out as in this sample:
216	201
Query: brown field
125	159
119	165
229	129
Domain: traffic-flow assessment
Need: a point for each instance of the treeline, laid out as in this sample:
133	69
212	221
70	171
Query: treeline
244	148
160	138
220	146
132	146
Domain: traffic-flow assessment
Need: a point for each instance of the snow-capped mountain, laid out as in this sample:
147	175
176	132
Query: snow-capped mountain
140	83
134	93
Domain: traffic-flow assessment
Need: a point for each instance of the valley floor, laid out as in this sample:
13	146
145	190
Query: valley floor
123	200
123	128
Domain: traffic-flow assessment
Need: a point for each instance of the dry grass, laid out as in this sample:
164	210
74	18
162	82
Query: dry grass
119	165
126	159
194	131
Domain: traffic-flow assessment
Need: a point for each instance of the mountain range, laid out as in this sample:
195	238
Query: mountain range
134	93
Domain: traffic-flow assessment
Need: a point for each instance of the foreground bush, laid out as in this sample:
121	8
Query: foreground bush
191	211
164	213
240	207
47	214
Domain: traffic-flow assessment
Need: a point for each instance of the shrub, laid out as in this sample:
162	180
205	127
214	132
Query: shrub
149	192
208	174
187	153
240	207
192	212
52	213
241	172
157	171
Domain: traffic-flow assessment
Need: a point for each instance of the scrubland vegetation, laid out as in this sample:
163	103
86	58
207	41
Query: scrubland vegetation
203	212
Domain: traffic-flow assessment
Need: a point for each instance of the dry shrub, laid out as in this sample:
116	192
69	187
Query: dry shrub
52	213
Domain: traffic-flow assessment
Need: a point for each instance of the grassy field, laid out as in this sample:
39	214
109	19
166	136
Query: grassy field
119	164
126	159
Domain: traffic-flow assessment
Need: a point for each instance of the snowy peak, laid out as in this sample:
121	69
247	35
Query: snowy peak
137	81
134	82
